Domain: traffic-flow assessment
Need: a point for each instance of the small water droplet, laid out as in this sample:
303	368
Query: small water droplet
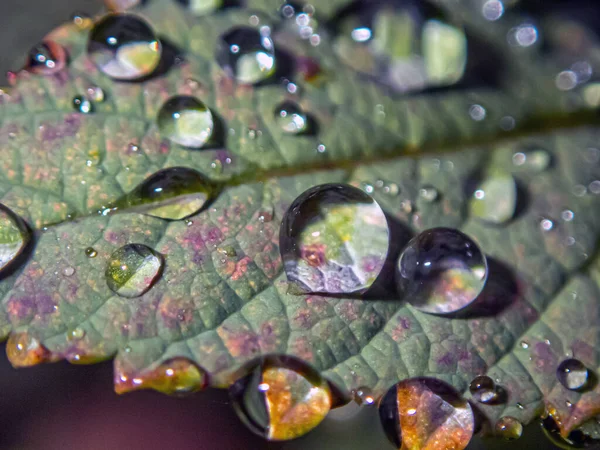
391	189
567	215
546	224
91	252
266	215
536	160
281	399
323	235
429	194
495	199
96	94
520	406
83	105
441	271
186	121
572	374
579	190
228	251
76	334
247	55
595	187
217	166
68	271
290	118
364	397
492	10
507	123
484	390
524	345
509	428
321	148
477	113
133	269
46	58
14	237
124	47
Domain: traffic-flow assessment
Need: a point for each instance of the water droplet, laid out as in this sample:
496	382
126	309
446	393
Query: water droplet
334	239
429	194
174	193
83	105
133	269
24	350
290	118
546	224
477	112
363	396
228	251
572	374
46	58
247	54
579	190
509	428
484	390
520	406
524	35
91	252
201	7
524	345
576	438
595	187
299	19
96	94
441	271
281	399
68	271
567	215
177	376
495	199
492	10
76	334
124	47
419	411
186	121
14	237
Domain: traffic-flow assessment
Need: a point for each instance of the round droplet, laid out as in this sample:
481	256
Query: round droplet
290	118
484	390
281	399
82	105
441	271
46	58
364	397
247	54
535	161
24	350
133	269
186	121
509	428
96	94
14	237
91	252
495	199
124	47
576	438
299	19
429	194
68	271
334	239
572	374
76	334
174	193
426	414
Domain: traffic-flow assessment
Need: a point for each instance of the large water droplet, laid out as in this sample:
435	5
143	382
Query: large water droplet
124	47
14	237
174	193
281	399
46	58
133	269
495	199
484	390
576	438
247	54
334	239
24	350
428	414
509	428
290	118
441	271
572	374
186	121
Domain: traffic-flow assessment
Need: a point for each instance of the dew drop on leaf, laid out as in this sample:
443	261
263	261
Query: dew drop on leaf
290	118
334	239
247	55
24	350
174	193
186	121
133	269
572	374
509	428
82	105
495	199
76	334
363	396
298	19
534	160
427	414
91	252
96	94
281	399
441	271
428	194
46	58
124	47
484	390
575	439
14	237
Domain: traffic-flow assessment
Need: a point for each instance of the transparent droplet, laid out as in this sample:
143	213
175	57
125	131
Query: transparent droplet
174	193
91	252
290	118
495	199
201	7
124	47
567	215
334	239
576	438
477	112
25	350
247	54
186	121
83	105
441	271
364	397
524	35
76	334
133	269
96	94
281	399
595	187
572	374
509	428
484	390
492	10
299	19
546	224
418	412
68	271
429	194
14	237
46	58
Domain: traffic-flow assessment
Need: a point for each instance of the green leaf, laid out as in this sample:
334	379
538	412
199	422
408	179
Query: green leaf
222	298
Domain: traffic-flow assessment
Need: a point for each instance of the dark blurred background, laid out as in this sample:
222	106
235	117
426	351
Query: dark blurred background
66	407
